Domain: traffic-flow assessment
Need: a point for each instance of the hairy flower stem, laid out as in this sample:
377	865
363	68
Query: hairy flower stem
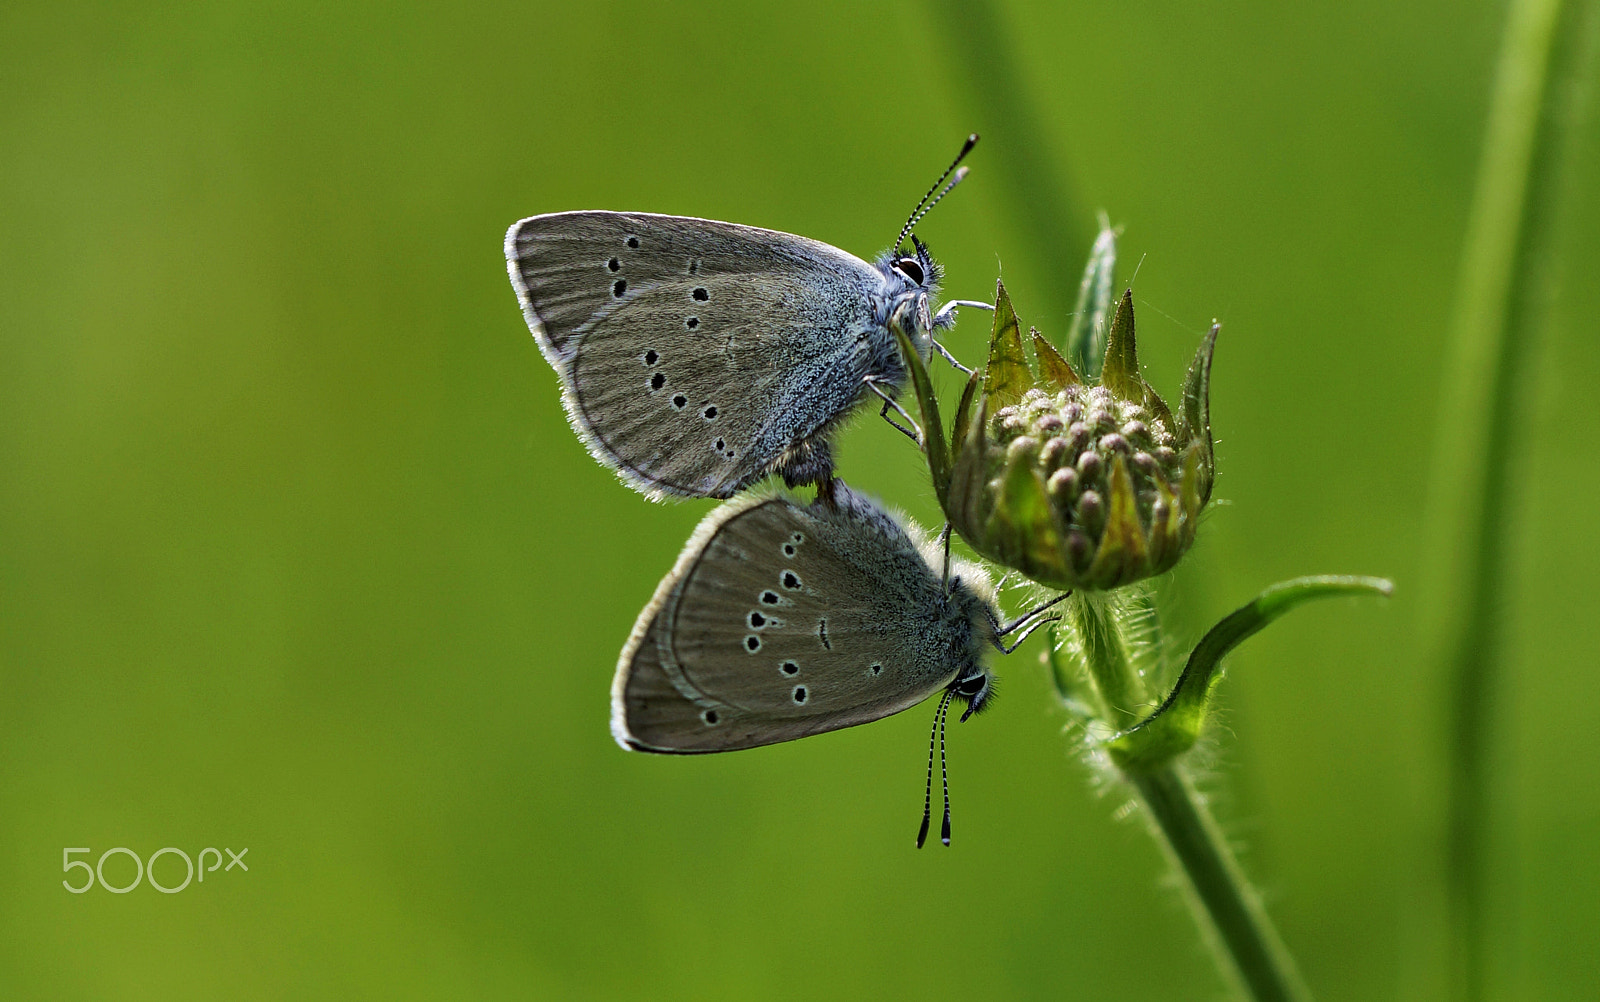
1093	617
1100	631
1218	888
1507	280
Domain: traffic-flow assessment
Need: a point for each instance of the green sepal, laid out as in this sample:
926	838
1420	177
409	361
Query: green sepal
1166	520
1196	424
1021	530
1189	485
969	399
1121	372
1159	411
967	502
933	440
1054	372
1176	724
1122	556
1007	377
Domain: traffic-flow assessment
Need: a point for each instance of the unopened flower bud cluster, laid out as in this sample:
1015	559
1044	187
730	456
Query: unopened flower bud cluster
1075	435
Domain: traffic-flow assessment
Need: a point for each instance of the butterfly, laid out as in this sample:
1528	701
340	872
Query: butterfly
698	357
783	619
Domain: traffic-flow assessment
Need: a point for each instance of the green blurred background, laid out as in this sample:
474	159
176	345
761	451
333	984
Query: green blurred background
298	555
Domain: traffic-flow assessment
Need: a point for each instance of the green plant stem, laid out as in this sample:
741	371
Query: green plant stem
1507	279
1237	919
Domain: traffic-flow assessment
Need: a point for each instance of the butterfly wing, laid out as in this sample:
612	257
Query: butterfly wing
694	354
779	622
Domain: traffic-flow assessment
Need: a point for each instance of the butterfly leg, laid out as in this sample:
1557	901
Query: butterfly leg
941	349
946	317
1026	619
1022	620
1025	633
888	402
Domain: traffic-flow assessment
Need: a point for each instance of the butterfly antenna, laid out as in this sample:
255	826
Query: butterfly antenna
944	774
961	175
927	797
924	205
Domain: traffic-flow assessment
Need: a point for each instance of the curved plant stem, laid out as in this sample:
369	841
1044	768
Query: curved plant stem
1507	273
1220	888
1174	726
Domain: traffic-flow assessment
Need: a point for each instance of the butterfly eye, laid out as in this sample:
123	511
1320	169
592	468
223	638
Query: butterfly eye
911	268
970	687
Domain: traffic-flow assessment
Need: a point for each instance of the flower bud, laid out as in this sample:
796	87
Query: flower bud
1075	484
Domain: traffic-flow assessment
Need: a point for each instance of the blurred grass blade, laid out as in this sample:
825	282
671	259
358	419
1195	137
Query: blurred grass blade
1507	278
1085	341
1035	185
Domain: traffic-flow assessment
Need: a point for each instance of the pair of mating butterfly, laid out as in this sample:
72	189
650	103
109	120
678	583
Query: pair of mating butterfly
698	357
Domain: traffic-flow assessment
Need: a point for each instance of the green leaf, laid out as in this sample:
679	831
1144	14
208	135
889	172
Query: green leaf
1175	725
1085	342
